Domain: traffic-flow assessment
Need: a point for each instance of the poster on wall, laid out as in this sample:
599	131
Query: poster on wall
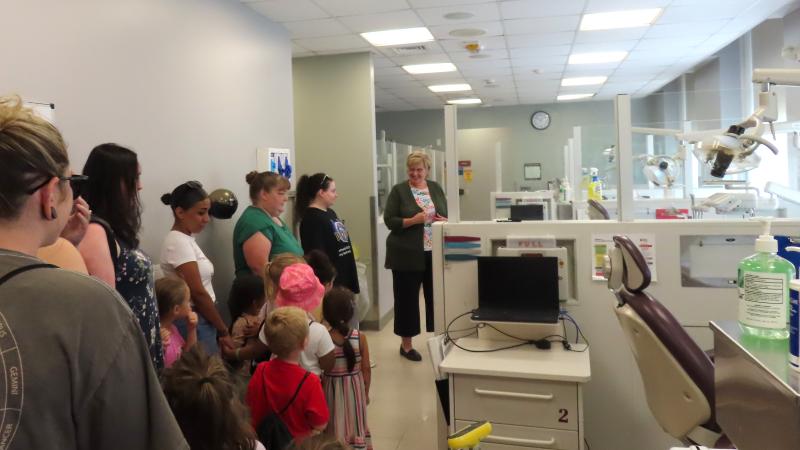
465	170
602	243
278	160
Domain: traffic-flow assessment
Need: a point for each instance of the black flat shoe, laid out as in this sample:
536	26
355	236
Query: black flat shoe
411	355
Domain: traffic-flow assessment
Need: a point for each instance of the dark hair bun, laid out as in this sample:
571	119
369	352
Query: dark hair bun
250	177
166	199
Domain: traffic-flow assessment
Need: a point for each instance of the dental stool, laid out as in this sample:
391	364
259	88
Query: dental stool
678	376
597	211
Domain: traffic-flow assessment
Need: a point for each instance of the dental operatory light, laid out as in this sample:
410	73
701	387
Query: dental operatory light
597	57
450	87
398	37
568	97
465	101
619	19
417	69
583	81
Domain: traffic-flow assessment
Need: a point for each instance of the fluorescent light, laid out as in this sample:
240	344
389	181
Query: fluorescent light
619	19
450	87
465	101
416	69
398	37
596	57
583	81
566	97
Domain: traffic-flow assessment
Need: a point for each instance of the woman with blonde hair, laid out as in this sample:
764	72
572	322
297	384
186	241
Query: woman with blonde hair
411	208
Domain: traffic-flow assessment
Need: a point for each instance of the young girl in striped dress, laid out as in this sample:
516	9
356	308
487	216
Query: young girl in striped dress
346	386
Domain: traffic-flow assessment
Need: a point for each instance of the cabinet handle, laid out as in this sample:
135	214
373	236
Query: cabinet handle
521	442
514	395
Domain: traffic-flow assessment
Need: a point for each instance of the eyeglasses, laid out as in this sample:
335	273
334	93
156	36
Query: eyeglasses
74	183
322	183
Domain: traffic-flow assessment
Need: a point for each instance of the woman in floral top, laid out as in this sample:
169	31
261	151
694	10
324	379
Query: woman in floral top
411	208
111	246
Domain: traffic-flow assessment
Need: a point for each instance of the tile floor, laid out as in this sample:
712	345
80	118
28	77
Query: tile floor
402	410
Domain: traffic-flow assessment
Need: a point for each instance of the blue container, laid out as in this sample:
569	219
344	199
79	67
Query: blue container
794	325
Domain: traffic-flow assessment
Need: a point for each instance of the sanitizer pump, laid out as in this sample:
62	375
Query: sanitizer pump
764	289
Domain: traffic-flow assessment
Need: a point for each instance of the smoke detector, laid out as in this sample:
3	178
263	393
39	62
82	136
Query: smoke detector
473	47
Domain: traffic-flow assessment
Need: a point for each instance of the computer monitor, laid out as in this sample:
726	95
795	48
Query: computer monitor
517	289
530	211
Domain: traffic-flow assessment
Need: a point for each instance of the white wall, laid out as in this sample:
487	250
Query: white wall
192	86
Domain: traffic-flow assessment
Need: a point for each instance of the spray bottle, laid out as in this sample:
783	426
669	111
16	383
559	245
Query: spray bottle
764	289
595	188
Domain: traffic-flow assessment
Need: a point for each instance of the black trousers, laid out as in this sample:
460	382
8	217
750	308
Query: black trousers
406	286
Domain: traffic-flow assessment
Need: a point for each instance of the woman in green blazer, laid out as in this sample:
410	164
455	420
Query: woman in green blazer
411	208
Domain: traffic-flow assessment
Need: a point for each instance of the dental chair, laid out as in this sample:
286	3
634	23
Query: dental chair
597	211
678	376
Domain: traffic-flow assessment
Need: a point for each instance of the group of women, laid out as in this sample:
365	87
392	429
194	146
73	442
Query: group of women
110	248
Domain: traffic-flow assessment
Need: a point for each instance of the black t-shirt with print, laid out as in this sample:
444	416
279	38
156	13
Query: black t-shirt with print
324	231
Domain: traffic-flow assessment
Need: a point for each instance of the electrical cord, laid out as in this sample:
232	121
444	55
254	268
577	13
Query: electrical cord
578	328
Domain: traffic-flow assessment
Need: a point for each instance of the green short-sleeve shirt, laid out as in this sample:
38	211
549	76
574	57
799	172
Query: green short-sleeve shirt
256	220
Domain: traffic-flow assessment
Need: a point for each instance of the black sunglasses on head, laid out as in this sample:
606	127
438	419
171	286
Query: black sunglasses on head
74	182
322	183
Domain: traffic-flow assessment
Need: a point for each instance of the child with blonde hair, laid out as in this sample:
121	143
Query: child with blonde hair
174	302
347	384
282	386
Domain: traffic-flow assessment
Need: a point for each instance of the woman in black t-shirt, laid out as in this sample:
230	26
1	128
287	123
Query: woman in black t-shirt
321	228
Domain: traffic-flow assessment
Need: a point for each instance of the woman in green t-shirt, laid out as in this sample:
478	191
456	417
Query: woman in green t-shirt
260	233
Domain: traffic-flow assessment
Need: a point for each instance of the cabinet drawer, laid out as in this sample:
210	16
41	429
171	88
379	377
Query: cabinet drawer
515	401
511	437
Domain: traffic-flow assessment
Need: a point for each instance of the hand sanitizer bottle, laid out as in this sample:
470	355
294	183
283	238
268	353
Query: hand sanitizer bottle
764	289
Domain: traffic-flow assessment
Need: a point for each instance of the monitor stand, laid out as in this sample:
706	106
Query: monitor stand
522	330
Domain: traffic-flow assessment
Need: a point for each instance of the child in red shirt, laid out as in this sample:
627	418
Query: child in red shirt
274	383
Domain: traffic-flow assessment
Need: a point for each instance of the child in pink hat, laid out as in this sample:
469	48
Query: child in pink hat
299	287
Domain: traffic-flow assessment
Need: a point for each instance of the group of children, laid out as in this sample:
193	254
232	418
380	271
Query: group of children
317	380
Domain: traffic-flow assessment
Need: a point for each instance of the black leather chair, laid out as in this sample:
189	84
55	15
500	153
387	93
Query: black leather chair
678	376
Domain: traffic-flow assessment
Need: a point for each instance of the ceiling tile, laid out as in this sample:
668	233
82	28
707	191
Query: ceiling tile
619	46
541	25
347	42
481	12
670	44
536	52
489	43
467	65
581	68
540	39
353	7
494	28
315	28
380	61
486	71
394	70
382	21
521	9
704	10
536	62
493	55
427	58
436	3
672	30
578	71
600	36
289	10
432	48
593	6
436	78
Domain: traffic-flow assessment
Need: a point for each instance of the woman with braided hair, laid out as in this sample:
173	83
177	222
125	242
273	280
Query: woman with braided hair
346	385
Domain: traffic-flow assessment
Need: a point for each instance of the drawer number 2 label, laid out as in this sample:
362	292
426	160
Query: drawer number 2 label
563	416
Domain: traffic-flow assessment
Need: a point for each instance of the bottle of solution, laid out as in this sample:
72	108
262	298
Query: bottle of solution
595	188
764	290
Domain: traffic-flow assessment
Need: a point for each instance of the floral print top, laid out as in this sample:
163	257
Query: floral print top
135	283
424	201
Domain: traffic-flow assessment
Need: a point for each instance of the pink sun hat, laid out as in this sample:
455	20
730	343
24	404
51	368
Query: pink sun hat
299	287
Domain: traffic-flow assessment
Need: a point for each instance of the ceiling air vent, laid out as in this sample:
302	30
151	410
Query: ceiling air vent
410	50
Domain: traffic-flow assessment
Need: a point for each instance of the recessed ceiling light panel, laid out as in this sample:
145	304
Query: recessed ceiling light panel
416	69
465	101
583	81
619	19
597	57
567	97
467	32
450	87
401	36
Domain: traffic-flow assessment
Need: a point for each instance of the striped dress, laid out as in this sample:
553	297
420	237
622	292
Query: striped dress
347	399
